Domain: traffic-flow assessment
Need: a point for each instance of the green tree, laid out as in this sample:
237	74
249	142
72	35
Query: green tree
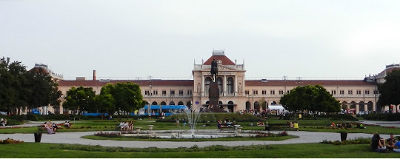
80	99
128	96
105	102
263	103
310	98
390	90
43	89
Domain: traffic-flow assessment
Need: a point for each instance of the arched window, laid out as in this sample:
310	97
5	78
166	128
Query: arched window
344	105
154	103
220	102
230	106
207	83
353	105
163	103
230	85
256	106
219	81
370	106
189	104
273	103
361	106
180	103
146	103
248	107
172	103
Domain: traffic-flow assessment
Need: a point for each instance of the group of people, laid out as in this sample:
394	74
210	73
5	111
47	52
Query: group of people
3	122
126	126
379	144
50	127
225	123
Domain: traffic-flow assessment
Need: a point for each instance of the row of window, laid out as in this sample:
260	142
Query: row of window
264	92
164	93
333	92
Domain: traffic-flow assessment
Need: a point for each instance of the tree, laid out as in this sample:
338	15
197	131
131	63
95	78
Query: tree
80	99
390	90
263	103
105	102
43	89
310	98
128	96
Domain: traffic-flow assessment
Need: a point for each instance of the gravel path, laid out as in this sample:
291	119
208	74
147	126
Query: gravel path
75	138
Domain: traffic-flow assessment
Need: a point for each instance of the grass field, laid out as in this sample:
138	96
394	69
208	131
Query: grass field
257	151
130	138
110	125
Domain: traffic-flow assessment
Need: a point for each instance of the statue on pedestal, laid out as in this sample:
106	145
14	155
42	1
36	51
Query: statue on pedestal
213	94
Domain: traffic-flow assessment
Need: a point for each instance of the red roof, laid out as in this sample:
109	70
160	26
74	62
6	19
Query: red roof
307	82
88	83
224	60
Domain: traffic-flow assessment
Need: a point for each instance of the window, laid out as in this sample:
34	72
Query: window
255	92
341	91
230	85
189	92
272	92
280	92
358	91
246	92
350	92
220	87
147	93
155	92
333	92
264	92
164	93
366	92
180	92
207	83
376	92
172	93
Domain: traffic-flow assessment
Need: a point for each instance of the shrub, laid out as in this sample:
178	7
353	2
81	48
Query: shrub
348	142
382	116
10	141
214	117
107	134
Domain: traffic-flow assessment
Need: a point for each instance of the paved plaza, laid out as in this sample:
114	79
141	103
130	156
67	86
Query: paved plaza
75	138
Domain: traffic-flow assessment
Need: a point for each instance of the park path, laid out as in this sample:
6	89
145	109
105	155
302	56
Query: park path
75	138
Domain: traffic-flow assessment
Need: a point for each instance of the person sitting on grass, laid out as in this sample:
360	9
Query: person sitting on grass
54	126
47	126
396	147
377	143
67	124
390	142
333	125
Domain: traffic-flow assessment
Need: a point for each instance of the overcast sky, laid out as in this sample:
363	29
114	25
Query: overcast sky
324	39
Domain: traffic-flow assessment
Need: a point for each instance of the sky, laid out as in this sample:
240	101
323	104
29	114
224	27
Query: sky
139	39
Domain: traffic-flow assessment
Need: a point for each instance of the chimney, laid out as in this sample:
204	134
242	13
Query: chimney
94	75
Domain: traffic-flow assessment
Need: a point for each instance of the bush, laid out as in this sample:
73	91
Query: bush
382	116
10	141
348	142
293	116
214	117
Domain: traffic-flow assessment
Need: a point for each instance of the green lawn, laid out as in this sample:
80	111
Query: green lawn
131	138
110	125
256	151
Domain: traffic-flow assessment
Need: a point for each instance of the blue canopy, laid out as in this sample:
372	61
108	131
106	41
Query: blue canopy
165	107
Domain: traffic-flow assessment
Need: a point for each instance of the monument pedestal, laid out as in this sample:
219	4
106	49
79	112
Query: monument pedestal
214	98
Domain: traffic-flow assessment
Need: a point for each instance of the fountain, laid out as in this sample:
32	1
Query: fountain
192	116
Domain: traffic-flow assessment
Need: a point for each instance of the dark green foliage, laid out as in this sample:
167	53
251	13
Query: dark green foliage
21	88
390	90
214	117
310	98
294	116
80	99
347	142
381	116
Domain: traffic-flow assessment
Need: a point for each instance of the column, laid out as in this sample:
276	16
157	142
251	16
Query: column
357	107
373	106
202	85
224	85
366	107
235	87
